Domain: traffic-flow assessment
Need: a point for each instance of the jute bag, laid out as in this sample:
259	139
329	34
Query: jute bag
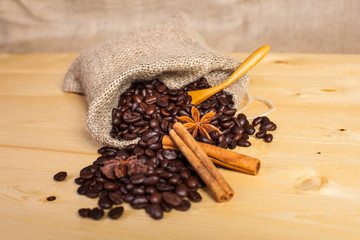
171	52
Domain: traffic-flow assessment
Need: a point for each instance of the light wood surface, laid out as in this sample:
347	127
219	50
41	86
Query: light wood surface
308	186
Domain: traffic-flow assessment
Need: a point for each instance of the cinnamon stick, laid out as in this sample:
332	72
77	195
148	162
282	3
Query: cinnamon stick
223	157
201	162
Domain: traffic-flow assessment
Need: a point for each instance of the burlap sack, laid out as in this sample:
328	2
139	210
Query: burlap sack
172	52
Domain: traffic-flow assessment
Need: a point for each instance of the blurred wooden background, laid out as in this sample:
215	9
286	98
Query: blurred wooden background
322	26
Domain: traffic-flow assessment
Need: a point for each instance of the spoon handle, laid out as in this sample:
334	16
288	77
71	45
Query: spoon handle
200	96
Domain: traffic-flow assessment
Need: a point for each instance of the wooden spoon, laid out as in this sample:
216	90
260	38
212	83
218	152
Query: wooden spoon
200	96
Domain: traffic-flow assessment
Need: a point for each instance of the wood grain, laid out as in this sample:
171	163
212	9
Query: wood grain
308	187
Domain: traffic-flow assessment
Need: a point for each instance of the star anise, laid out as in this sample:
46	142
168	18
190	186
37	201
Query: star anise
196	125
118	168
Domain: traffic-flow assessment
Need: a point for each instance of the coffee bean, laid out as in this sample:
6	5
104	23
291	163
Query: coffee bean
128	198
191	182
174	166
237	137
163	187
79	181
257	121
155	211
116	213
137	178
194	196
184	205
155	198
232	144
266	126
51	198
154	123
214	135
151	180
155	146
82	189
105	202
138	191
230	112
268	137
244	143
150	109
60	176
130	136
111	186
92	193
150	100
249	129
96	213
116	197
185	173
150	190
165	206
139	200
274	127
260	134
84	212
171	198
181	190
162	102
170	154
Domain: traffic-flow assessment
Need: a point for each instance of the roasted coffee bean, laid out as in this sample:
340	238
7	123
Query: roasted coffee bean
123	189
82	189
130	136
194	196
60	176
137	178
237	130
99	186
162	101
265	120
228	124
191	182
171	198
237	137
129	186
130	148
232	144
266	126
155	139
149	153
150	100
96	213
105	202
154	123
155	146
111	186
166	175
174	166
150	190
181	190
155	211
51	198
165	206
155	198
116	197
206	140
128	198
79	181
175	180
274	127
139	151
249	129
150	109
230	112
84	212
184	205
100	180
268	137
245	136
260	134
170	154
151	180
139	200
116	213
92	193
185	173
257	121
214	135
138	191
244	143
163	187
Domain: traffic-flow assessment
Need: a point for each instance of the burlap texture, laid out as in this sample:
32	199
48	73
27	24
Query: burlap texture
172	52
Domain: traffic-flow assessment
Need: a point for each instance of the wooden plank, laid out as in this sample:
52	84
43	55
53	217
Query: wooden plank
308	186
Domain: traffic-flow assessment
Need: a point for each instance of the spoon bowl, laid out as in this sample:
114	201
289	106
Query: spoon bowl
200	96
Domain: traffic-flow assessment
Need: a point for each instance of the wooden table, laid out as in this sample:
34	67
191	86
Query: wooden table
308	186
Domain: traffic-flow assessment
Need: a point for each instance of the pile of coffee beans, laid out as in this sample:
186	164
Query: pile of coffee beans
148	110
